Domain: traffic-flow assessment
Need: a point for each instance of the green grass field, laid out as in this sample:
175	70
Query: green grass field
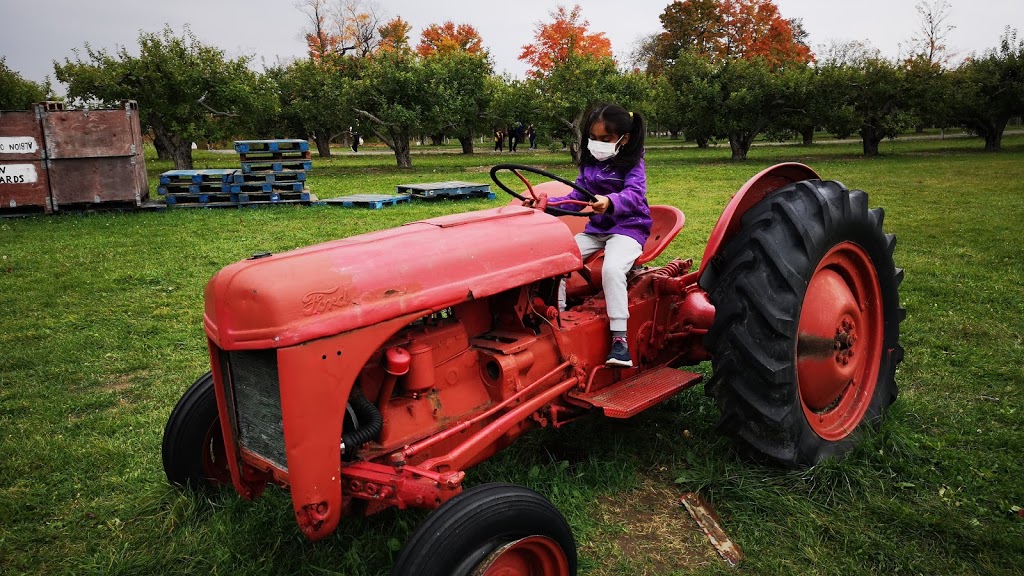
101	332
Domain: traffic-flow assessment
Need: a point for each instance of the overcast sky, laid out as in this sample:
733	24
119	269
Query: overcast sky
34	35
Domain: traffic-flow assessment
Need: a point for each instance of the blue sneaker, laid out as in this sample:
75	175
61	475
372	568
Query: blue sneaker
619	356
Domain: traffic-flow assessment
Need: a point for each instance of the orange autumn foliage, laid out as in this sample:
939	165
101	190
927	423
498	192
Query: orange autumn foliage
754	28
566	36
394	35
724	29
447	37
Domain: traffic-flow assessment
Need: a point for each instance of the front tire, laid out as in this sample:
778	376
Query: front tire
193	449
805	340
491	529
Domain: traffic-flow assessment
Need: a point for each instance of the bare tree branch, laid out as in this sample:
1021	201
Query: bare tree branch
202	102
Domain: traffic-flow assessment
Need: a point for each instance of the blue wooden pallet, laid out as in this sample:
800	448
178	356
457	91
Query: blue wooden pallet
276	166
452	190
248	146
372	201
286	156
268	187
204	188
237	197
197	176
285	176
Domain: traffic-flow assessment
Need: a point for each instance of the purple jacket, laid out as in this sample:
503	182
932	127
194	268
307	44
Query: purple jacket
629	214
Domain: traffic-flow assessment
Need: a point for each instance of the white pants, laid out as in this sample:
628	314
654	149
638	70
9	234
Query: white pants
619	254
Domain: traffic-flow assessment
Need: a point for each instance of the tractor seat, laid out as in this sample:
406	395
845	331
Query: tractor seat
667	222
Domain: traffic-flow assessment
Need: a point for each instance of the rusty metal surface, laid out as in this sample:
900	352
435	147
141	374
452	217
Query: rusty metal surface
51	157
21	137
94	181
703	513
23	183
24	187
89	133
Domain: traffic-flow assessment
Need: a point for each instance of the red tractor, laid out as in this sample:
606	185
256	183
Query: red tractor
372	372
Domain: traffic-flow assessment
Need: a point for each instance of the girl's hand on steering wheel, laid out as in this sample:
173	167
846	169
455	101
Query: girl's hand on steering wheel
601	205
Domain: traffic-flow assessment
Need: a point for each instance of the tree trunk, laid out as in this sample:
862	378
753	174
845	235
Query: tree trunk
575	151
179	148
703	142
437	139
181	152
323	143
870	140
740	145
467	144
673	134
403	155
163	151
808	135
994	137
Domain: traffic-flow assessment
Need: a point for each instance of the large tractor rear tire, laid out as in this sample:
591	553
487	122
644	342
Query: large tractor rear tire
805	340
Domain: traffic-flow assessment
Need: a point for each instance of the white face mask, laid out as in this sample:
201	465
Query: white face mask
603	150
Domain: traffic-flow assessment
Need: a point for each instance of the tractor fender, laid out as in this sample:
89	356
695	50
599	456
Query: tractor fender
280	300
761	185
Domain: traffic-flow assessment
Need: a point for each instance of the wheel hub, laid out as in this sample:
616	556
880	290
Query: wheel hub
531	556
839	342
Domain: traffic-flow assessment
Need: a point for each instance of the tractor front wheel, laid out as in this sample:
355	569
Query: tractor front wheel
491	530
805	339
193	448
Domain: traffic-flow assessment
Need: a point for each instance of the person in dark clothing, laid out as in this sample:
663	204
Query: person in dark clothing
513	139
531	133
499	141
355	141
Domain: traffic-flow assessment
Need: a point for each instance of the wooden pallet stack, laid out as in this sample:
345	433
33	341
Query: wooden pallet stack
196	186
272	172
273	168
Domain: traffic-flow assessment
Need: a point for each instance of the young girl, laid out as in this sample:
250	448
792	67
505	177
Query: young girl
612	168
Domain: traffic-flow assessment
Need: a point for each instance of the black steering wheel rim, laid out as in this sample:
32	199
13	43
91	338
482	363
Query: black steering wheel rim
550	209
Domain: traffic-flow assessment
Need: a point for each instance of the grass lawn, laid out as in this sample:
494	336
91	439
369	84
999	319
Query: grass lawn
101	332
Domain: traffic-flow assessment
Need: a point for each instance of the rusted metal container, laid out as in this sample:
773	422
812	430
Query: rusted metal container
24	186
95	157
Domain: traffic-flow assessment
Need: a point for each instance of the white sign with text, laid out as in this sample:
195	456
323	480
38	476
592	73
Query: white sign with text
18	174
18	145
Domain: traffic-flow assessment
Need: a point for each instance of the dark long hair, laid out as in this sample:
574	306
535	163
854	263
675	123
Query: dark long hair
619	121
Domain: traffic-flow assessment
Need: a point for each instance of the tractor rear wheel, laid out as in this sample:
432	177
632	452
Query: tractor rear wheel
805	339
490	530
194	455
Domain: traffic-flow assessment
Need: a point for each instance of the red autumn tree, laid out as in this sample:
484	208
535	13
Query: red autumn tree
394	35
724	29
447	37
754	28
567	35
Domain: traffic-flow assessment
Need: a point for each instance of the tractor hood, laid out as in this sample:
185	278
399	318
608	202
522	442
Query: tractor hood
285	299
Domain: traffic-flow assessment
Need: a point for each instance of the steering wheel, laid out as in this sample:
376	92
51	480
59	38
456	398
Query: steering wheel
550	208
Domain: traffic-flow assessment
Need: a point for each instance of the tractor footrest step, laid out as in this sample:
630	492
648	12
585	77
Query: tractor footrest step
629	397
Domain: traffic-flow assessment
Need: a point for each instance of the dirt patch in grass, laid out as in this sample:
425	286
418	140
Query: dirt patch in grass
122	382
651	533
